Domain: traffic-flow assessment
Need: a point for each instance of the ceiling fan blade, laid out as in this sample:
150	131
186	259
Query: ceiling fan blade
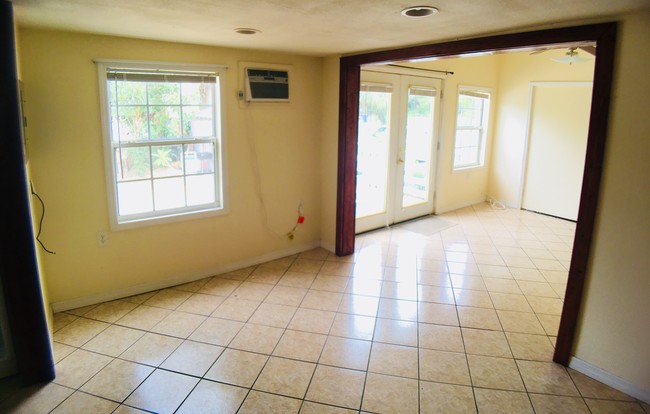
538	51
589	49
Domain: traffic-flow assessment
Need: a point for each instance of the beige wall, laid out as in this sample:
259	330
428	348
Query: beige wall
67	166
516	72
614	333
462	188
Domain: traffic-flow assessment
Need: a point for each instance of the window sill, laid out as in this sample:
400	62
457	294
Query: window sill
171	218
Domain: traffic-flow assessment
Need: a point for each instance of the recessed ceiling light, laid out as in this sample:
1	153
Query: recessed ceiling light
247	31
419	11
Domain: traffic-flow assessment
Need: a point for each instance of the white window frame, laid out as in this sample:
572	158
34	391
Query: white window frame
482	129
220	207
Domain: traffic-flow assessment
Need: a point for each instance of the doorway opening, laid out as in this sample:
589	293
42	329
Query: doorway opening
603	37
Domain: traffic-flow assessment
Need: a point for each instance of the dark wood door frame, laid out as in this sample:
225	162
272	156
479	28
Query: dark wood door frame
604	37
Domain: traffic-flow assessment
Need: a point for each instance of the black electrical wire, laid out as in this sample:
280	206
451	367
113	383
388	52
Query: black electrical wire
40	223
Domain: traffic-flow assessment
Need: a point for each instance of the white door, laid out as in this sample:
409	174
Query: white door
559	122
396	148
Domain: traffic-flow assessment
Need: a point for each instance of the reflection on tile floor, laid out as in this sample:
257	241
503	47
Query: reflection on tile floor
458	322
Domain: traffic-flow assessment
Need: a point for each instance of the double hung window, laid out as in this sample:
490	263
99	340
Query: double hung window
163	140
471	128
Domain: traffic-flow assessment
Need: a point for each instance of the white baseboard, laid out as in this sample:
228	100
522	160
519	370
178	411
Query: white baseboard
328	246
178	279
457	206
609	379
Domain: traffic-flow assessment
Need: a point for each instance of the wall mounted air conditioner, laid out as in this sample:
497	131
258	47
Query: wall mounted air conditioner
267	85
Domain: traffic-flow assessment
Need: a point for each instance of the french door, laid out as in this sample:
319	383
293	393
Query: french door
398	117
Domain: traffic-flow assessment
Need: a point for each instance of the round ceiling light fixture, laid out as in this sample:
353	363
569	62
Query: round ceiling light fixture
419	11
247	31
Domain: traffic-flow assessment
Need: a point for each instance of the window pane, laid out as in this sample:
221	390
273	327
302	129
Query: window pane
199	158
131	93
372	155
134	197
133	123
167	160
110	90
198	122
197	93
200	189
165	122
169	193
132	163
417	153
164	93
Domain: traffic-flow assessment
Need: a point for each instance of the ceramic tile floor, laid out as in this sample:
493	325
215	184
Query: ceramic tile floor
457	322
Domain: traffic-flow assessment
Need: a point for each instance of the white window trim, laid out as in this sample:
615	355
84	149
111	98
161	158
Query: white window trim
484	135
109	170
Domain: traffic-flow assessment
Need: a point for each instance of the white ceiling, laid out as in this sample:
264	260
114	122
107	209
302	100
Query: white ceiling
310	27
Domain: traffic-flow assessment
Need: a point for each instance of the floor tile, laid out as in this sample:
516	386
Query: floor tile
502	402
261	402
436	398
531	288
440	337
353	326
336	269
79	367
405	310
487	343
321	300
163	392
478	318
194	286
252	291
613	407
337	386
327	283
60	351
285	377
309	407
520	322
236	309
143	317
216	331
554	404
396	332
474	298
270	314
61	320
359	305
530	347
41	399
386	394
311	320
257	338
237	367
346	353
110	311
286	295
85	403
496	285
306	265
467	282
192	358
168	299
151	349
304	346
117	380
495	373
114	340
510	302
179	324
209	396
220	286
547	378
436	313
590	388
441	366
365	287
395	360
79	332
201	304
436	294
297	279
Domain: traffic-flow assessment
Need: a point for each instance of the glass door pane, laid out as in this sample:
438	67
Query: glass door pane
417	148
373	149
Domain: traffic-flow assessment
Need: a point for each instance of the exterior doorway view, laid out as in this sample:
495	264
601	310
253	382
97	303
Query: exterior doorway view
396	154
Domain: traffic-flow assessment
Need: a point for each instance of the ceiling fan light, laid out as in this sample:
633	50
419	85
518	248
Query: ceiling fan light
571	57
247	31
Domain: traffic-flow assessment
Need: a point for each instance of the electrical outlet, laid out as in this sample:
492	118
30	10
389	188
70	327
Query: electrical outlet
102	238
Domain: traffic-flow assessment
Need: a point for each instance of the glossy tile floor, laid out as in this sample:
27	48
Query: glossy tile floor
456	322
